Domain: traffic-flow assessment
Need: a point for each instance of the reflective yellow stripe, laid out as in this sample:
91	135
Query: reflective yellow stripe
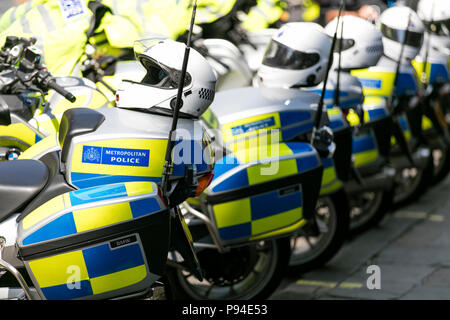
55	270
331	188
137	188
186	229
353	118
374	100
283	231
48	123
233	213
426	123
334	111
193	201
46	210
253	150
64	104
366	157
384	82
276	221
42	146
328	176
330	182
98	217
285	168
118	280
18	131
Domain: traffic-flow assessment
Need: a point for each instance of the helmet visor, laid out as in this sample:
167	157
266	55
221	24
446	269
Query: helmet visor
161	76
281	56
440	28
346	44
413	39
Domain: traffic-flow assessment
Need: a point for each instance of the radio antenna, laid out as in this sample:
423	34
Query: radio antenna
176	112
330	59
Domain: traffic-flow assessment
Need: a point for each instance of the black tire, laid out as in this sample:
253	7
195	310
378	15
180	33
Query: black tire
420	185
329	243
374	206
218	279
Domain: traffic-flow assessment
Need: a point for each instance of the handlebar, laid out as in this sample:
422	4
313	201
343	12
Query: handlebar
66	94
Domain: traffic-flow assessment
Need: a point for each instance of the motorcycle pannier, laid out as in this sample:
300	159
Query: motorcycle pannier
263	191
101	242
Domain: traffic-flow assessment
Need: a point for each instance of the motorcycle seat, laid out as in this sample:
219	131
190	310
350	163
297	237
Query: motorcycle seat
20	181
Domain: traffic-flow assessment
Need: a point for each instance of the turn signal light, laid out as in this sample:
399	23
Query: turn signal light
204	182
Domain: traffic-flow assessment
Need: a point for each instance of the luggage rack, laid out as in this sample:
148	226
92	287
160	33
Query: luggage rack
6	267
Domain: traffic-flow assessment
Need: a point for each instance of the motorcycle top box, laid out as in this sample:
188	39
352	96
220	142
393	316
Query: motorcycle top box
101	242
250	112
116	145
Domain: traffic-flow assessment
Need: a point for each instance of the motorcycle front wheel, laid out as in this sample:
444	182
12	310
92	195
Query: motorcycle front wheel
412	183
368	208
311	249
243	273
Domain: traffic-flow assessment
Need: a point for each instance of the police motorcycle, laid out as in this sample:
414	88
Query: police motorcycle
394	79
369	181
91	212
300	63
242	209
32	100
431	65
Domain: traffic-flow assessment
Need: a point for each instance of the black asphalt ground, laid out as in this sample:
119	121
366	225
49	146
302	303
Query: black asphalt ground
411	248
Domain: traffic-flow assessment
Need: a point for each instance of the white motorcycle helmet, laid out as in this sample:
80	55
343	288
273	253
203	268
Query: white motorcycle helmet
158	90
394	22
435	15
296	56
362	44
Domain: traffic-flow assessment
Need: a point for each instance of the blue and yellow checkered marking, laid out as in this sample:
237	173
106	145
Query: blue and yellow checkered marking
435	72
101	269
77	221
330	182
88	219
365	150
252	175
269	213
406	84
376	114
258	214
336	118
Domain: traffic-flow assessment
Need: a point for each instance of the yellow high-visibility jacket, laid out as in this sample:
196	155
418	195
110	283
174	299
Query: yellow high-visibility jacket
60	26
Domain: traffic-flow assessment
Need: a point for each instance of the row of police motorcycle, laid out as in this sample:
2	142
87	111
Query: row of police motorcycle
212	171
